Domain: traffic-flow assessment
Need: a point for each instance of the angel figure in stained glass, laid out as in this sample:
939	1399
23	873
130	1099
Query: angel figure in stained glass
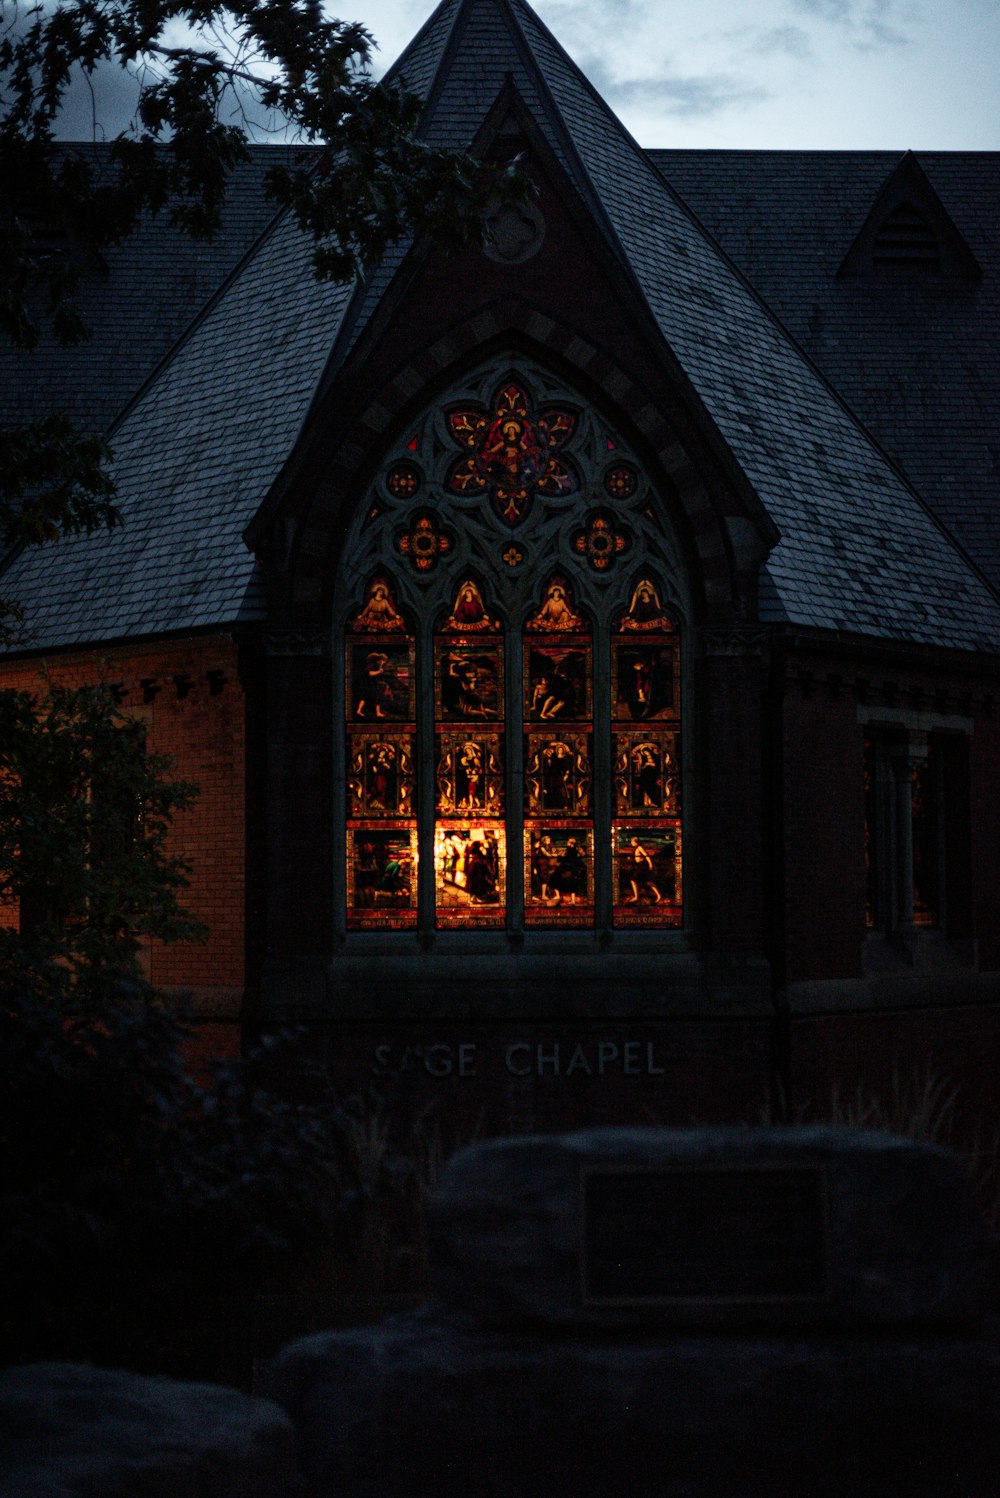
379	615
645	610
469	613
556	613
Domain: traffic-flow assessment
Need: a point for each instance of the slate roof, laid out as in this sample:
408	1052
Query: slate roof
137	303
194	457
199	451
916	355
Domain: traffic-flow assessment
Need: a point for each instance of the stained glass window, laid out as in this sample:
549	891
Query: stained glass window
512	685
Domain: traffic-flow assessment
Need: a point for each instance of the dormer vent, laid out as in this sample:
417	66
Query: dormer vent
906	238
909	230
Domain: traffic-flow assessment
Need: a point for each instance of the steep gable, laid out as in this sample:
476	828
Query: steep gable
202	446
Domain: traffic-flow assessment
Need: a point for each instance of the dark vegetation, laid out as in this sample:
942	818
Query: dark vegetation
143	1211
248	67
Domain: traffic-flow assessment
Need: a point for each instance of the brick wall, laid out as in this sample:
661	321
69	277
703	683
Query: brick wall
191	698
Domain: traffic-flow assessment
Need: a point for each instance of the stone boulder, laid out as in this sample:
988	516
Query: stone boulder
73	1431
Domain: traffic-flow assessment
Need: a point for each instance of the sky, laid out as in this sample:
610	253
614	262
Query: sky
774	74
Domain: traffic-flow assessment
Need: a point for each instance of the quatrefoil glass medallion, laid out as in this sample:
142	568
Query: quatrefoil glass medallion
599	541
425	541
513	451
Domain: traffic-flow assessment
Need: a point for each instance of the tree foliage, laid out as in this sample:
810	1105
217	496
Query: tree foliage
85	819
204	73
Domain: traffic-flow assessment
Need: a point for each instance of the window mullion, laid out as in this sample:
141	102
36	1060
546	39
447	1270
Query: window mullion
603	887
426	766
515	781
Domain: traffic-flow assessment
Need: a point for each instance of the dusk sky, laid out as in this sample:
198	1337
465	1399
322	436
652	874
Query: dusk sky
847	74
893	74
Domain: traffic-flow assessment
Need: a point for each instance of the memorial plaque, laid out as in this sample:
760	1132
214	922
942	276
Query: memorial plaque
714	1233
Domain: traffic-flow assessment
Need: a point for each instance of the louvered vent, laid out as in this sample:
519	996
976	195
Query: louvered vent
906	238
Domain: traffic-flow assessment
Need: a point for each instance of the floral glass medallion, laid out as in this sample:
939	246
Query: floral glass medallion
600	541
513	453
402	480
424	542
621	481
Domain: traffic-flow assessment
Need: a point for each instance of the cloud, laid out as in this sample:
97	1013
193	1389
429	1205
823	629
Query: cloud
691	95
98	107
869	23
792	40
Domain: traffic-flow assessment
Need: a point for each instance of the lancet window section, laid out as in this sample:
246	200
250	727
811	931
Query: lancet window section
380	680
513	609
470	835
646	828
558	763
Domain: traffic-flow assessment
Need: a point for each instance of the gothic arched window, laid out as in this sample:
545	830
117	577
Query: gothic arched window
512	608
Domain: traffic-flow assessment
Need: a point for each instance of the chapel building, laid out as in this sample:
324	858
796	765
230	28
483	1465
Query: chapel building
588	648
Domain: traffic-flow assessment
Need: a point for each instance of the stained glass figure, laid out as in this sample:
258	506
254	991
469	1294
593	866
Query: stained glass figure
621	481
402	480
381	876
425	541
380	775
513	453
379	615
380	680
646	774
557	775
557	613
470	774
469	680
600	541
469	873
558	875
556	681
645	679
647	874
468	615
645	612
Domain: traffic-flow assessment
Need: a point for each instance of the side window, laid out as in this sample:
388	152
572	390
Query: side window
917	869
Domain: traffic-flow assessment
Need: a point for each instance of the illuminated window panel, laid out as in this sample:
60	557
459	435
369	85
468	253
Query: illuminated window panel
646	773
646	679
380	680
557	774
558	874
468	680
470	869
557	675
470	774
647	874
380	775
381	876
